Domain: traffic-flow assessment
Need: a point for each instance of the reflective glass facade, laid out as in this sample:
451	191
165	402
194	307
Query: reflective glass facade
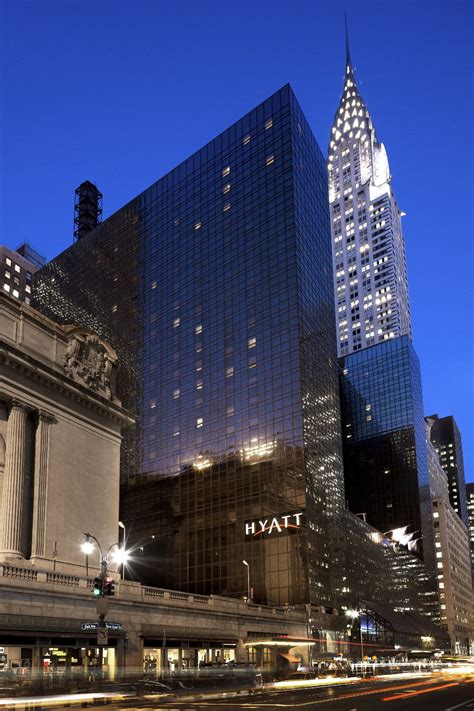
215	287
385	455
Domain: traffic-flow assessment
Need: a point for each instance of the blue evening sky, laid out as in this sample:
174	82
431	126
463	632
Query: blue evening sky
120	92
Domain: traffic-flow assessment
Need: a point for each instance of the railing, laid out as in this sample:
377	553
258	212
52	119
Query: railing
127	590
13	571
61	579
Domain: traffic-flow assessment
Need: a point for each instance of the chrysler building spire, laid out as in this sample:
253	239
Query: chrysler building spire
348	52
370	278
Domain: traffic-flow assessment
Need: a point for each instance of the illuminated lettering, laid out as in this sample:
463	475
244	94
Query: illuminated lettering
275	524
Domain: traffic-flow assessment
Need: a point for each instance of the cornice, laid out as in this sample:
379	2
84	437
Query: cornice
57	382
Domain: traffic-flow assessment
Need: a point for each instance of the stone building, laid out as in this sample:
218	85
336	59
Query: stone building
60	437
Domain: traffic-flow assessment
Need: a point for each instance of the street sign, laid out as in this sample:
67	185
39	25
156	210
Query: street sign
111	626
102	636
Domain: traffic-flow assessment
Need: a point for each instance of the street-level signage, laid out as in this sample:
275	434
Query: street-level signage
111	626
271	525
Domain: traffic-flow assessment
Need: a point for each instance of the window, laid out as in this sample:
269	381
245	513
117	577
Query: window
246	140
176	394
16	293
6	287
176	322
17	268
8	261
199	422
8	275
226	171
226	207
269	160
226	188
198	328
229	372
252	342
197	226
268	123
114	308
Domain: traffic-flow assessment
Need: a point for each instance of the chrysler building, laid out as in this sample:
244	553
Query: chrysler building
370	275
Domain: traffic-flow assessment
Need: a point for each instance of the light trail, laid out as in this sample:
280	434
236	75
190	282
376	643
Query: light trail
410	694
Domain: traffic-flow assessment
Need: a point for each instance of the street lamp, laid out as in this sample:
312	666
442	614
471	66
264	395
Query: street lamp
248	580
121	555
355	614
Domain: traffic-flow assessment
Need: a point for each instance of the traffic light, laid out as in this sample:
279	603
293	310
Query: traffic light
97	587
109	587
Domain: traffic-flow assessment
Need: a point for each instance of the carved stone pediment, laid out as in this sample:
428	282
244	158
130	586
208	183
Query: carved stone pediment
90	361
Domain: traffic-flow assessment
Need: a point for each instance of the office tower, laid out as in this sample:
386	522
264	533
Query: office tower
446	438
470	513
17	269
370	275
214	286
385	454
452	551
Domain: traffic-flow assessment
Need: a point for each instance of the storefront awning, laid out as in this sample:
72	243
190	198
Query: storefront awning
289	657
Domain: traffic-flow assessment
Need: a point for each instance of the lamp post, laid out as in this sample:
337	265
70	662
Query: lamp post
121	555
355	614
124	542
248	580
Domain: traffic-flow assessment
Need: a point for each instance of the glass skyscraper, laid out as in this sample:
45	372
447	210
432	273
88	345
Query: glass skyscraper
215	287
384	437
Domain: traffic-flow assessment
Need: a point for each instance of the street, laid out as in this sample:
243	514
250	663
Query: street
437	693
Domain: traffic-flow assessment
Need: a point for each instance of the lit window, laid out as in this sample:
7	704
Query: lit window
226	207
197	226
27	299
8	261
199	422
229	411
199	385
152	404
176	322
229	371
16	293
153	284
6	287
252	342
198	328
8	275
226	171
226	188
17	268
246	139
268	123
270	160
114	308
176	394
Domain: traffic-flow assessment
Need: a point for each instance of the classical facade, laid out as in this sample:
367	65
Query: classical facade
60	437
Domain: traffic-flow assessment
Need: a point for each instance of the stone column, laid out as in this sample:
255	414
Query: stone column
11	510
41	485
